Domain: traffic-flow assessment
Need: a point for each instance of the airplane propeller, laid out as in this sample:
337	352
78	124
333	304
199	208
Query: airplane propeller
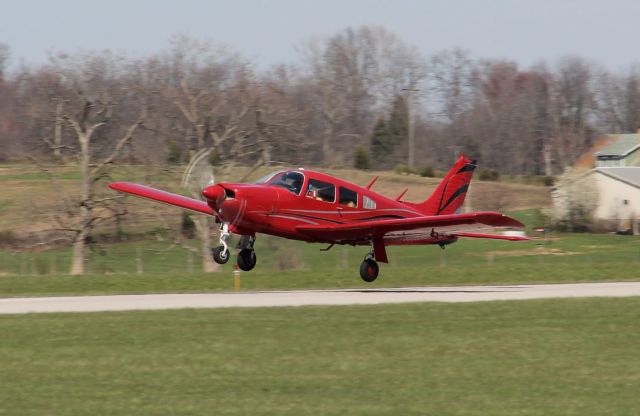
199	173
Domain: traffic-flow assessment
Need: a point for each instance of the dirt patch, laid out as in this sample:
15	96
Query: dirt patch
597	247
532	252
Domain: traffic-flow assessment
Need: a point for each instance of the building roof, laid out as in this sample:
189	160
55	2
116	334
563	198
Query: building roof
621	146
629	175
587	160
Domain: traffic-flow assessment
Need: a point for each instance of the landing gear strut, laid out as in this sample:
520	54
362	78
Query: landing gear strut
247	255
369	268
221	253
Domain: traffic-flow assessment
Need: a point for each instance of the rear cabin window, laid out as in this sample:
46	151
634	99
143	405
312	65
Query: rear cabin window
322	191
368	202
348	197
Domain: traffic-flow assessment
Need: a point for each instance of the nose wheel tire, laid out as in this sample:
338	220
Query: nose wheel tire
220	254
247	259
369	270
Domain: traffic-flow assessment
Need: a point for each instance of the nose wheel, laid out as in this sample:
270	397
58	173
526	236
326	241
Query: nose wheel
221	253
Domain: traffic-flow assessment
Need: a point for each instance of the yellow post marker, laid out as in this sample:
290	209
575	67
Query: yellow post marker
236	277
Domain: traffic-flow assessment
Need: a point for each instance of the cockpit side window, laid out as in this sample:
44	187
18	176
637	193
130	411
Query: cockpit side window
348	197
291	181
322	191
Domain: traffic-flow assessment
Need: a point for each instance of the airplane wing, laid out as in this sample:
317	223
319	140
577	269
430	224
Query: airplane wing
162	196
407	230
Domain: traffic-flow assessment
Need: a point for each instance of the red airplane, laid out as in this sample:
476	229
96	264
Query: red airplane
315	207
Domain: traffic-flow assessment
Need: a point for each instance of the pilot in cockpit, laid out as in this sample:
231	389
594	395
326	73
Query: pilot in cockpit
313	192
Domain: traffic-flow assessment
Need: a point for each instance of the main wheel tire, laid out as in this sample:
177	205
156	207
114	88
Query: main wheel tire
369	270
219	254
247	259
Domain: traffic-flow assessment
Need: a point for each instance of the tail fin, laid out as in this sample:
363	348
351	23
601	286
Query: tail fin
449	195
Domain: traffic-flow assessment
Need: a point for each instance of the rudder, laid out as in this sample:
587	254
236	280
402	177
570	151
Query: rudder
450	193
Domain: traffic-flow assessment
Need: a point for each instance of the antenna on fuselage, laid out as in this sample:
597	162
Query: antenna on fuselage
372	182
402	194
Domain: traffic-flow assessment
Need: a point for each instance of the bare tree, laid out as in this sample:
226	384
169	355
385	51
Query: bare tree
212	92
356	75
101	114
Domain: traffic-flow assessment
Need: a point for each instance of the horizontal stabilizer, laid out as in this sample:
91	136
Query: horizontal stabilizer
495	236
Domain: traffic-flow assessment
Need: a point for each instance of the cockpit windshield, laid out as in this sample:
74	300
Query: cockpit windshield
268	177
291	181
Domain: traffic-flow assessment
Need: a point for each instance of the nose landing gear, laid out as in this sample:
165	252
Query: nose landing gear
221	253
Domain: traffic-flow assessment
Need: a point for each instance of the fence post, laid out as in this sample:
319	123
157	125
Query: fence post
140	267
190	261
236	277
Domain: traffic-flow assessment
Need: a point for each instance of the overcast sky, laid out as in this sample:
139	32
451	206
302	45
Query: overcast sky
267	32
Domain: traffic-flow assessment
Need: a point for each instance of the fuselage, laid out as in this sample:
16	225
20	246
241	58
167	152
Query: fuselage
277	204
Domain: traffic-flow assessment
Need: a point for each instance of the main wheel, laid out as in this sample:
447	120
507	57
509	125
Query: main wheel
369	270
247	259
219	254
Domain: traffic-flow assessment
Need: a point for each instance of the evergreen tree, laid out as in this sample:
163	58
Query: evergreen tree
389	139
361	158
380	143
398	131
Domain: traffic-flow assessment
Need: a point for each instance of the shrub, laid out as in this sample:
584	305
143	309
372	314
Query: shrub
214	158
8	239
402	169
488	175
548	181
187	226
427	172
174	152
361	158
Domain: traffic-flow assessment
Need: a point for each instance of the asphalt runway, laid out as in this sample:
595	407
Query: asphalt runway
315	297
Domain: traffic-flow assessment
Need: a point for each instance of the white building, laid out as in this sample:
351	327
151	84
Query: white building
610	191
618	193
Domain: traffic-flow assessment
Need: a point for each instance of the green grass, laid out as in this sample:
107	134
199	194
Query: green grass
560	357
286	264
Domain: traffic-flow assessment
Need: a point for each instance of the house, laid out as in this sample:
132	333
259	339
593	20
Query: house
604	184
619	195
621	152
611	150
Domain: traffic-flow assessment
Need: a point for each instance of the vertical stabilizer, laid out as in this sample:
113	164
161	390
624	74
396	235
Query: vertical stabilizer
450	193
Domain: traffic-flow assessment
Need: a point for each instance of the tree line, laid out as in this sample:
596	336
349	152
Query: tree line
361	97
362	88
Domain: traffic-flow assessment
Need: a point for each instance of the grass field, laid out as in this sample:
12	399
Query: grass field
561	357
290	264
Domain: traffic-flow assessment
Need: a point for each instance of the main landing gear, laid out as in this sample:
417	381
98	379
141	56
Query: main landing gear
369	268
246	256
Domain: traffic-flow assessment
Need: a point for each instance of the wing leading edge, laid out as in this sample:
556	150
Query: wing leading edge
463	225
162	196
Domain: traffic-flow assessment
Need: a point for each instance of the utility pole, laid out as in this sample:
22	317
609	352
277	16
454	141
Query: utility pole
411	124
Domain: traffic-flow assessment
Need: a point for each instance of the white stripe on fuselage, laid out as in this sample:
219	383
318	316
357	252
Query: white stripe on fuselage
289	217
341	212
